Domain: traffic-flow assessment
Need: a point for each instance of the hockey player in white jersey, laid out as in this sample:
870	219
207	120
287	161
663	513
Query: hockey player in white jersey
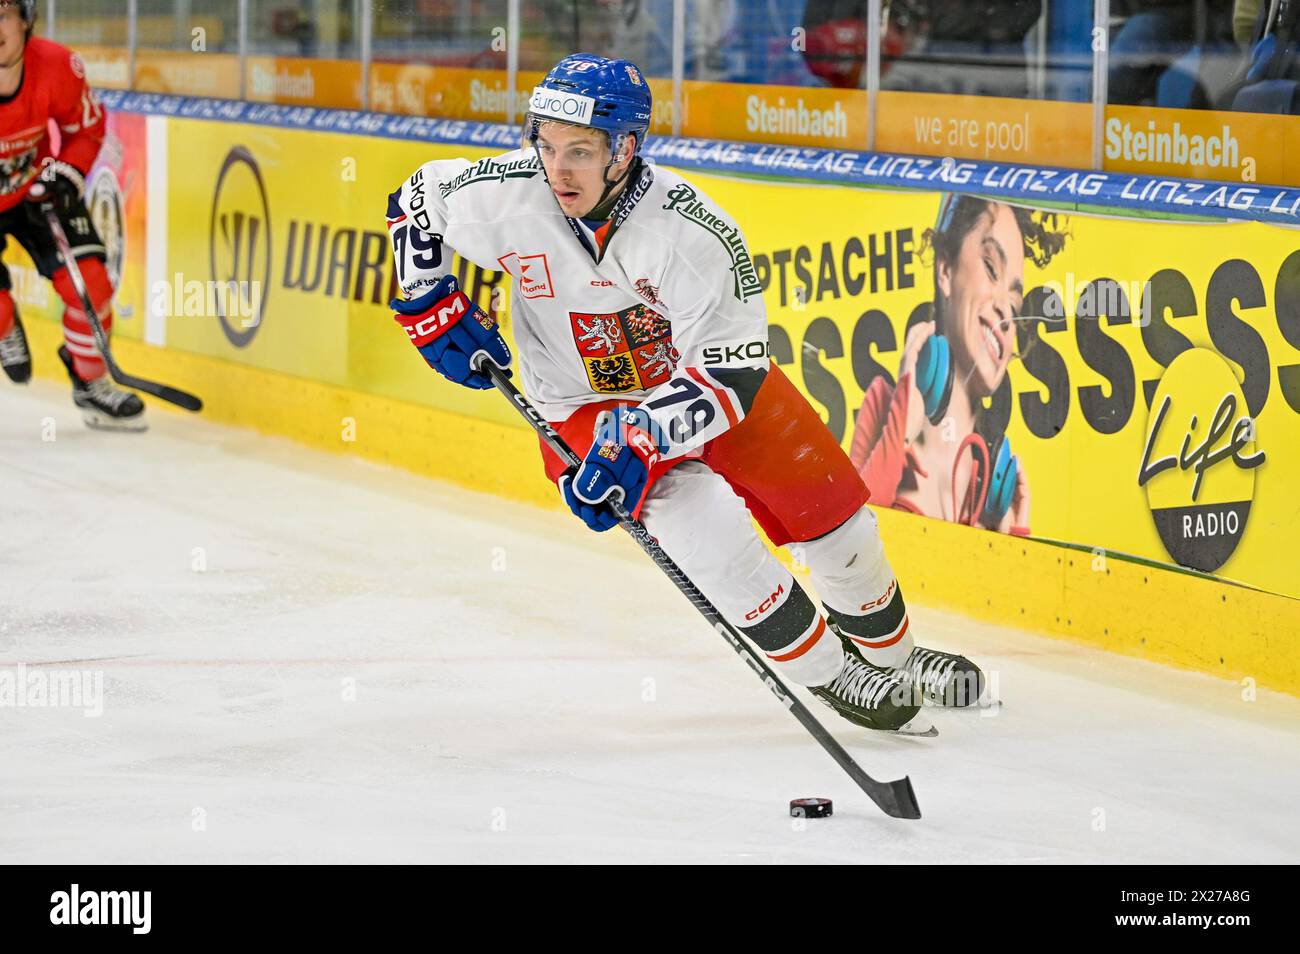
639	318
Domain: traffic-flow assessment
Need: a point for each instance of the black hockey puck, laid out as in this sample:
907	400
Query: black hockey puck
810	807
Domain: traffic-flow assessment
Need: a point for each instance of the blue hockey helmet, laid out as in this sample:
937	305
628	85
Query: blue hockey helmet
588	90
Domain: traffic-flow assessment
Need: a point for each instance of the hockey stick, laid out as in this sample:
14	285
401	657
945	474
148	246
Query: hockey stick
166	392
894	798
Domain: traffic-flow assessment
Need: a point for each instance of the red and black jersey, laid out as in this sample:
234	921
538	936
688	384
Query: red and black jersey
53	87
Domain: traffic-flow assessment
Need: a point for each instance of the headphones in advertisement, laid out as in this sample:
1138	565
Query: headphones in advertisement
991	493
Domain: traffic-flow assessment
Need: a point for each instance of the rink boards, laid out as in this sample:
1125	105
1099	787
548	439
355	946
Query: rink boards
1130	311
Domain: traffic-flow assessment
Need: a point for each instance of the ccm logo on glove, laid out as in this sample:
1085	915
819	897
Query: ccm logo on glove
429	327
435	323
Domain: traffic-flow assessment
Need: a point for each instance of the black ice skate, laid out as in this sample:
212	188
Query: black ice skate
874	698
945	679
15	357
103	405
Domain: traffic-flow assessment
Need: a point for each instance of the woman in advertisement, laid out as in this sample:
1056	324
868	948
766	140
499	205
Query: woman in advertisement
925	445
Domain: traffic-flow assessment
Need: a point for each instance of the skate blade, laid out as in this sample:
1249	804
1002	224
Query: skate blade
103	422
919	725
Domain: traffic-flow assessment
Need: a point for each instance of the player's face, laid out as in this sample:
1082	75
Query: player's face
575	160
11	37
984	289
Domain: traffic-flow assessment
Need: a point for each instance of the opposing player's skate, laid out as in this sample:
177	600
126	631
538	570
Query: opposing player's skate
103	405
15	356
874	698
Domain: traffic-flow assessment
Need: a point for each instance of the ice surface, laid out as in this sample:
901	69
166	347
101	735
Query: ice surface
524	690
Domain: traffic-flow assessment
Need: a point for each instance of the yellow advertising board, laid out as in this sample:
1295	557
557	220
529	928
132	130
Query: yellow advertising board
300	81
298	218
988	128
795	115
1114	315
107	67
187	73
1099	324
1202	144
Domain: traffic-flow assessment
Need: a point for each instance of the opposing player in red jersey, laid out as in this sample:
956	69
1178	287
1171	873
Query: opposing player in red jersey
42	82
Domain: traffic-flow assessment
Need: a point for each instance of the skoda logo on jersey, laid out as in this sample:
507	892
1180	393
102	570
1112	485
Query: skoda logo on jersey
106	207
1199	459
239	245
568	107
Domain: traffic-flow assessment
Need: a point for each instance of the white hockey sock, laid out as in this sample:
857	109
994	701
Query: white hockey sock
859	590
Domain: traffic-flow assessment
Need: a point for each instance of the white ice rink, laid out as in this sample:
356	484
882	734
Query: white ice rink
567	705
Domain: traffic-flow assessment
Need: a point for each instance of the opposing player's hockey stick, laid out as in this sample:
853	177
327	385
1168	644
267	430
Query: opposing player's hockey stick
166	392
894	798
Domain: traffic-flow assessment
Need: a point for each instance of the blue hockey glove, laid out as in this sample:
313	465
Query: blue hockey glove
436	324
617	466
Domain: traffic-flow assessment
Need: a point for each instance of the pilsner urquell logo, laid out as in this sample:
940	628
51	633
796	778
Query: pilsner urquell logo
1198	465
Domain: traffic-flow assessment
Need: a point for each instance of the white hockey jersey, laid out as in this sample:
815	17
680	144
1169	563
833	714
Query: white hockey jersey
666	311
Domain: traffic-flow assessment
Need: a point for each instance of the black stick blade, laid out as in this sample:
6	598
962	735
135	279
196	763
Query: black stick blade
896	799
168	393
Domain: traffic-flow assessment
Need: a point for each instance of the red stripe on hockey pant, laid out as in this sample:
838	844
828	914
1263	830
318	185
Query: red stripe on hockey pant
787	466
100	289
6	312
883	643
803	647
722	397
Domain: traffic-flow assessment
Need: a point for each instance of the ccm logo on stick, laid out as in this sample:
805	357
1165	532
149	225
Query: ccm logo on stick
725	354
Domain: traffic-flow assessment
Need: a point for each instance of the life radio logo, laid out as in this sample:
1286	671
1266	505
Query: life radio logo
239	243
1199	460
531	272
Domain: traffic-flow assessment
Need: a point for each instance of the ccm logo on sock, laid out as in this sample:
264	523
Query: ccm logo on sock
767	604
889	591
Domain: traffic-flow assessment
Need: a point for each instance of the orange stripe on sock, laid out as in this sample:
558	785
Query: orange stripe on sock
887	641
803	647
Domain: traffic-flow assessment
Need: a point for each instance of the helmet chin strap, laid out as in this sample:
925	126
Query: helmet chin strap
606	202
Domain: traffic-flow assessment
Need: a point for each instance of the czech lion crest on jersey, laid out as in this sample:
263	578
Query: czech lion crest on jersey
629	350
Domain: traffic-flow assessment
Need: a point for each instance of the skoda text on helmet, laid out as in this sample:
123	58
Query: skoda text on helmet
603	94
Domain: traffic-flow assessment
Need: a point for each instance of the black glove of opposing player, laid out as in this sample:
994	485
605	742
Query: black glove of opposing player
58	184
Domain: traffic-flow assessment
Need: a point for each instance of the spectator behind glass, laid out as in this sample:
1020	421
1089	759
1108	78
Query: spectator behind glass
958	47
1173	53
1245	13
936	46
